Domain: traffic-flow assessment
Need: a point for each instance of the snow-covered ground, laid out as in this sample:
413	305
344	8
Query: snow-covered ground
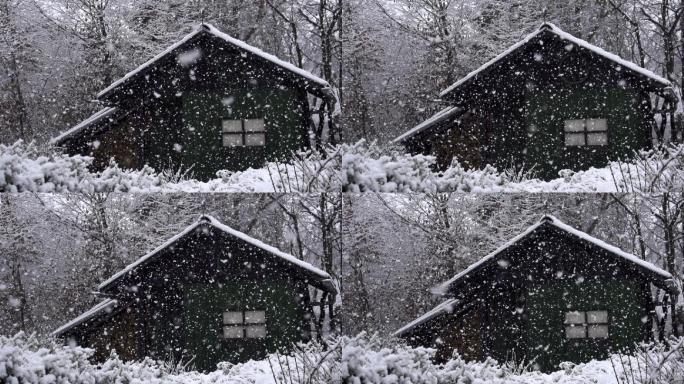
351	168
25	359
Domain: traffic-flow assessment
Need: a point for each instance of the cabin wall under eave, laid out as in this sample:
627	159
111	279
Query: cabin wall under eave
115	333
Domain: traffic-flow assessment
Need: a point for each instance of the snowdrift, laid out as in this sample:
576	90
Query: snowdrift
362	359
354	168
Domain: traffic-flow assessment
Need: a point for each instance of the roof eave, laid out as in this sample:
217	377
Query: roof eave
89	316
423	128
106	114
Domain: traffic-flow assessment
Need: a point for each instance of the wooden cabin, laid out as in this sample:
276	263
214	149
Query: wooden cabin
209	294
207	103
550	102
551	294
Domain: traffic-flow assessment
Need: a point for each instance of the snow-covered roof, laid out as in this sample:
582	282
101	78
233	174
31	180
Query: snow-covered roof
95	118
207	28
436	118
443	308
324	278
550	220
570	38
104	306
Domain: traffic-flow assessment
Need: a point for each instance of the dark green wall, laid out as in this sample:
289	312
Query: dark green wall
203	308
203	113
628	127
546	307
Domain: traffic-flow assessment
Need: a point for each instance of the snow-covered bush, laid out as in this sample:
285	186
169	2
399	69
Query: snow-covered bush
368	359
358	167
23	359
23	167
27	360
656	170
26	168
308	171
655	363
345	360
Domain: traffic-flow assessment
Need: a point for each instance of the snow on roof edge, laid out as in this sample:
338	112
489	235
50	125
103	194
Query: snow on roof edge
149	62
445	307
206	219
566	36
445	286
94	118
205	27
610	248
436	118
272	58
442	288
273	250
85	316
147	256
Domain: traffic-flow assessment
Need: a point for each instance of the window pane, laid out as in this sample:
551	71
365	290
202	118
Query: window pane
597	125
597	317
255	139
575	331
574	126
256	331
232	140
597	138
254	125
231	317
574	139
598	331
255	317
233	332
574	317
232	126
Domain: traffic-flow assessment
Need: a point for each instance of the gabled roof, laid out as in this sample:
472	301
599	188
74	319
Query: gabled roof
550	28
432	121
104	307
208	29
104	115
322	277
656	274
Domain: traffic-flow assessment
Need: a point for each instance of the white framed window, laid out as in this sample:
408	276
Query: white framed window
585	132
586	325
244	324
244	133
